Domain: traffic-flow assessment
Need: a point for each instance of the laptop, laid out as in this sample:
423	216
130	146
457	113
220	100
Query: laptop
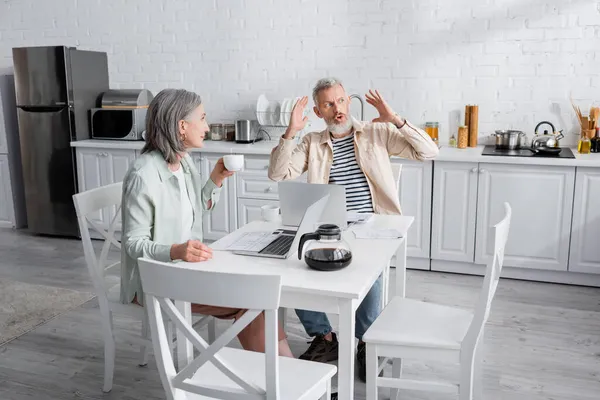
282	243
296	197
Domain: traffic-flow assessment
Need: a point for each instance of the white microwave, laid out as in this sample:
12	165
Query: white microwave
118	123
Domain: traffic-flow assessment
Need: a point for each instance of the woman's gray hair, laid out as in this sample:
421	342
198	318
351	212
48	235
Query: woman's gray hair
165	111
323	84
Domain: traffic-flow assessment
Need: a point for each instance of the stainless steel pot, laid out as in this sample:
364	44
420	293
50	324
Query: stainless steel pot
509	139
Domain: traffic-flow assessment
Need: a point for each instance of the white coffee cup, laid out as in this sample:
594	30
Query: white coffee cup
233	162
270	212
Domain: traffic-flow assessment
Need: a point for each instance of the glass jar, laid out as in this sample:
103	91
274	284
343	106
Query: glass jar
432	129
217	131
230	132
452	141
585	144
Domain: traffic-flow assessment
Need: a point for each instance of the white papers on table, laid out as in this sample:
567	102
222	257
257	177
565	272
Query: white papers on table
377	233
358	218
246	241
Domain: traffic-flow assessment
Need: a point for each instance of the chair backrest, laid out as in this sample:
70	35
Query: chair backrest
396	171
86	204
165	282
490	280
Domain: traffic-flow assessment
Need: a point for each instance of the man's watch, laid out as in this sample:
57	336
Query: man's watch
403	122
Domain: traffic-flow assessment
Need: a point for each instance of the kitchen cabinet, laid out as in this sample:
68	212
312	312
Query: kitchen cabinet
454	211
222	219
6	201
585	229
249	210
415	199
541	198
101	167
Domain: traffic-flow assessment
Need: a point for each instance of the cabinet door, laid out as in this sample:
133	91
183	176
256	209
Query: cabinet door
249	210
585	230
415	200
116	163
90	165
6	201
541	198
454	211
221	220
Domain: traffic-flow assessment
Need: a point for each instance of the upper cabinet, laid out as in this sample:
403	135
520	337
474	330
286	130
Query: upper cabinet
541	198
415	200
585	232
454	211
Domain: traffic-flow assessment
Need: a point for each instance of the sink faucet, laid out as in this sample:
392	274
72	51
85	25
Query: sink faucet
362	105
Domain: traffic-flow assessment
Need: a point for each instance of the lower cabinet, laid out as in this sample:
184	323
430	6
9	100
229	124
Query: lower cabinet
415	199
101	167
249	210
541	198
454	211
221	220
585	231
6	201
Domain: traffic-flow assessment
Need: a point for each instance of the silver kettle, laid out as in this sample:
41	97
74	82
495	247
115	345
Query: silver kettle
546	140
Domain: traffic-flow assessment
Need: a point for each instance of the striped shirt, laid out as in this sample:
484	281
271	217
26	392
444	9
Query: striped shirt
345	171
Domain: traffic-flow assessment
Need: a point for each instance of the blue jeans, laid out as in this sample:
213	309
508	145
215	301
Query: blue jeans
316	323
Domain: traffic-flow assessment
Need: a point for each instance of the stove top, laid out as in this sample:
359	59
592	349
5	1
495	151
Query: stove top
491	150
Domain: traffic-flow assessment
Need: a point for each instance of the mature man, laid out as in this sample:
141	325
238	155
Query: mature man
357	155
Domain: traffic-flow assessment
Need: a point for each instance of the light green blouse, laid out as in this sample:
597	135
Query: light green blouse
151	214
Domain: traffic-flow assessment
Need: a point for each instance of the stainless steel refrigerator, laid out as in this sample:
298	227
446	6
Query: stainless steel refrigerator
55	89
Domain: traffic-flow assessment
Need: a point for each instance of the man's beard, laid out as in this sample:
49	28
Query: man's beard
341	128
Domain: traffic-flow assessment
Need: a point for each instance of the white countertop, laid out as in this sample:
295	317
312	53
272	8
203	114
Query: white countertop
471	154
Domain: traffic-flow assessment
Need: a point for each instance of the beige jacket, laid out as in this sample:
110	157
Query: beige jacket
374	143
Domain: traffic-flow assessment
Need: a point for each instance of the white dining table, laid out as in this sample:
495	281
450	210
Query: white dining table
337	292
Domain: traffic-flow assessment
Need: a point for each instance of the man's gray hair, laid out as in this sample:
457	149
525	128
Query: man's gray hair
165	111
323	84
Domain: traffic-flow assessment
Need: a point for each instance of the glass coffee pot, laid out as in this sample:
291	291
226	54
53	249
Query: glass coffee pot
325	249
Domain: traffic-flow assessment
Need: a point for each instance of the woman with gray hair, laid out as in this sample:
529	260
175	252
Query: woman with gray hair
164	199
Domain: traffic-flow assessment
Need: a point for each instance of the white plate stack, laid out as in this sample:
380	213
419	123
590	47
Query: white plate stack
275	113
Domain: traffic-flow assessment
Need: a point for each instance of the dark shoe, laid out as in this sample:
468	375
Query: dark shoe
334	396
361	362
322	350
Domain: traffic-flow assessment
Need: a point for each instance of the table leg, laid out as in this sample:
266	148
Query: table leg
401	269
185	349
346	350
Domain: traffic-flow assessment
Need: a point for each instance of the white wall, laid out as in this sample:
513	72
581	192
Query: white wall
518	59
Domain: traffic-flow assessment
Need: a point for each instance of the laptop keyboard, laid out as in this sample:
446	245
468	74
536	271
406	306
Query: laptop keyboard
279	246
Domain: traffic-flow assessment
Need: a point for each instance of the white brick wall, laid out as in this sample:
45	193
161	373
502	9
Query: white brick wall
519	60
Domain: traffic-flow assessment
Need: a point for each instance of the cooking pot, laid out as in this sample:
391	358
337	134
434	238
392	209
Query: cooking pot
509	139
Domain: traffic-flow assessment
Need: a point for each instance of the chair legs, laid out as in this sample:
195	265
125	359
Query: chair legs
109	350
212	330
144	348
396	373
372	372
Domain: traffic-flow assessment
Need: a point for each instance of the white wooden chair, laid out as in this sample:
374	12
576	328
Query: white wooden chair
218	371
105	277
414	329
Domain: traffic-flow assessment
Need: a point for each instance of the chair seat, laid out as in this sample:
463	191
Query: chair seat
296	377
416	323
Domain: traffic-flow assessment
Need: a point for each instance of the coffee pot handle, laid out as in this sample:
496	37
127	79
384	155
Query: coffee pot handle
303	239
